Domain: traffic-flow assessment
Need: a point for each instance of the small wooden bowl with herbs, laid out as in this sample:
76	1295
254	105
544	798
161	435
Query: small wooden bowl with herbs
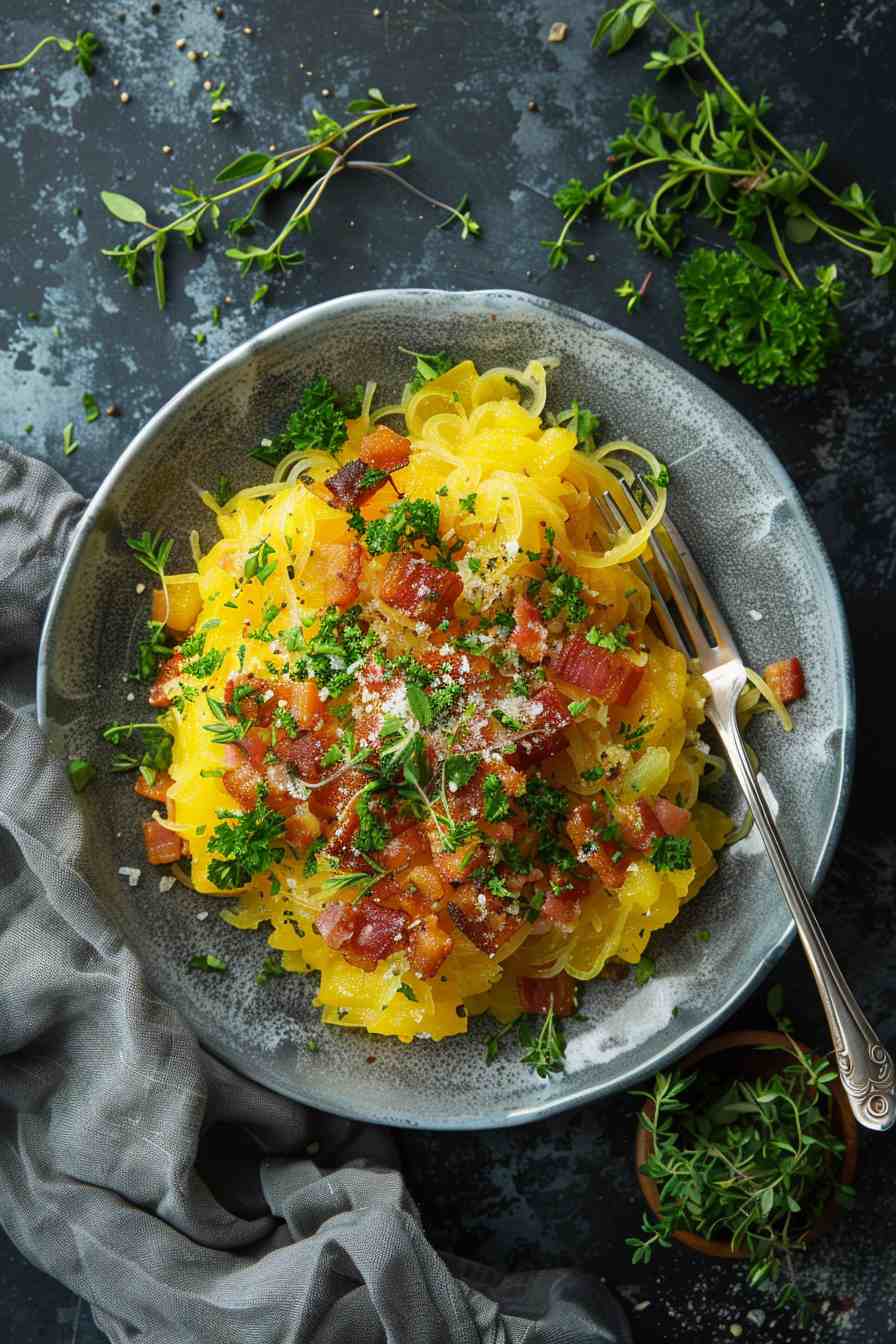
745	1152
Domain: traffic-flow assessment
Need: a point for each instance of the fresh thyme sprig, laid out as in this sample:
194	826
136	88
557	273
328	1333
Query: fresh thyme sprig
330	150
84	45
749	1162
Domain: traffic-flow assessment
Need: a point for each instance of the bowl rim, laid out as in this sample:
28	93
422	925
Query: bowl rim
242	354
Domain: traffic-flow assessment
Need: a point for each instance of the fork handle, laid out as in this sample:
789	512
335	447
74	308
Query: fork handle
865	1066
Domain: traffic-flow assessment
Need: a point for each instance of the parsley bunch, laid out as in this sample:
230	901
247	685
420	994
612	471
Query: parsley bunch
407	522
738	316
334	655
722	162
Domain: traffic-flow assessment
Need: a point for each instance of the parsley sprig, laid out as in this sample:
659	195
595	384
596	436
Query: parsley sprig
249	843
84	45
317	424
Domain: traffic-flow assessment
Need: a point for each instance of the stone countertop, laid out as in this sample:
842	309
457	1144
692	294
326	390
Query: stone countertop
563	1190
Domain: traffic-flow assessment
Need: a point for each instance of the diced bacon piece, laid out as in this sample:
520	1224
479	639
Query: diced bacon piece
428	946
256	744
583	829
673	819
242	783
638	823
530	638
385	450
405	850
166	684
341	842
303	753
419	588
346	488
302	700
328	801
483	917
162	845
546	734
341	562
609	676
379	932
336	923
250	697
536	996
157	790
563	903
467	668
453	867
786	679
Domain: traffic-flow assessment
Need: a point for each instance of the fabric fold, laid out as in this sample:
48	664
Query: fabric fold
186	1203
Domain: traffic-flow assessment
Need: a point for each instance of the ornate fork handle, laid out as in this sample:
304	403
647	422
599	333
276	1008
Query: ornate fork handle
865	1066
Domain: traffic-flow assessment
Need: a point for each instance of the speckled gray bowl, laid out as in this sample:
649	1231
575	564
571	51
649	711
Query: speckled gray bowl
743	517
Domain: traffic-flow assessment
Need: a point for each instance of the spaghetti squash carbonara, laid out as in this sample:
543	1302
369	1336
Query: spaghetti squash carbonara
420	727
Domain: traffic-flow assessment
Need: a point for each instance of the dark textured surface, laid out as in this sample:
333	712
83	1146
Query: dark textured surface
563	1190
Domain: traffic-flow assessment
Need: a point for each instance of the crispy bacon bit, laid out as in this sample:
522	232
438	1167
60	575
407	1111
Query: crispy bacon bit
638	823
530	638
328	801
345	485
302	701
379	931
484	918
563	903
242	784
251	697
341	562
165	686
162	845
536	996
583	829
546	734
336	923
406	849
786	679
304	752
429	945
419	588
384	449
609	676
341	842
157	790
674	820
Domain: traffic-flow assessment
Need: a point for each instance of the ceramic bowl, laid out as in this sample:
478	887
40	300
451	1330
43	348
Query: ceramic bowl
742	516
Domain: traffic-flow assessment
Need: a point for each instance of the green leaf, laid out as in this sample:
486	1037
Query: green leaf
247	165
122	207
206	961
259	294
91	408
420	705
759	257
69	443
80	773
799	229
158	268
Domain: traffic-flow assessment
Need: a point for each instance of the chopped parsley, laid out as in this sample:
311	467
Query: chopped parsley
334	655
271	969
633	735
614	642
459	770
80	773
644	970
408	521
318	423
259	563
206	961
496	804
671	853
372	834
468	503
249	846
428	367
408	993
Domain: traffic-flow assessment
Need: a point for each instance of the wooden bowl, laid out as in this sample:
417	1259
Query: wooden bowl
754	1063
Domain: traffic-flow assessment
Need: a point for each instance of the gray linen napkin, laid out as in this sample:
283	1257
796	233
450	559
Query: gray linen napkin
174	1195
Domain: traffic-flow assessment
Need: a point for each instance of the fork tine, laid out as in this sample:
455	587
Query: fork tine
696	633
716	621
609	508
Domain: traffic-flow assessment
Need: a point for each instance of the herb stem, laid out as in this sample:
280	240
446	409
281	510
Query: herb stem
64	44
779	248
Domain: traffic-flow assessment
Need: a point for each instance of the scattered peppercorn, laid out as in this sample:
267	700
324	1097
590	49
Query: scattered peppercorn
558	32
181	43
124	97
167	150
532	105
113	409
248	31
193	56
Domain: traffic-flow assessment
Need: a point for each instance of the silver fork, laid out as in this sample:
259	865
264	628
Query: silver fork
865	1067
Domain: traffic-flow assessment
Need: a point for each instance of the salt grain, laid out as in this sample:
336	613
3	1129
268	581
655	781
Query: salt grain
132	875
